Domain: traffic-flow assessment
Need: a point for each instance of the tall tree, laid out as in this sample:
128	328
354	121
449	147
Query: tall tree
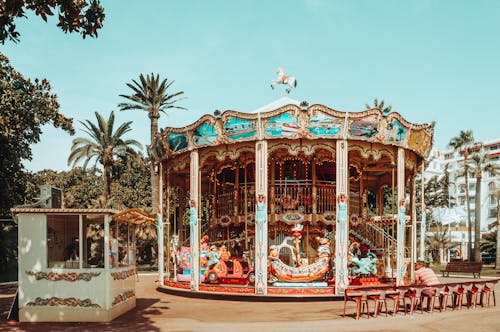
152	96
25	106
104	145
82	16
463	144
480	162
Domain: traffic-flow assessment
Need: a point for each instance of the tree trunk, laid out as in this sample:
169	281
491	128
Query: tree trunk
477	221
497	262
107	183
469	227
155	178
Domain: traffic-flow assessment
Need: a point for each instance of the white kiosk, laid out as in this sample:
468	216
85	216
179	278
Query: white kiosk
76	265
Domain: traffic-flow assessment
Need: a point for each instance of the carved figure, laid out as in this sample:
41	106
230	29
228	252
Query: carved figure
364	266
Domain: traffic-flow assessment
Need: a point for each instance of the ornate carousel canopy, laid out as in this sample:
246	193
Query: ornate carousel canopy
294	122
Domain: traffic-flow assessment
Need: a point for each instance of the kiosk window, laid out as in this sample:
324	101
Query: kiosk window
63	241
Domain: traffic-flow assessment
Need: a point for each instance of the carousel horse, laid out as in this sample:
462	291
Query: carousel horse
364	266
174	253
284	79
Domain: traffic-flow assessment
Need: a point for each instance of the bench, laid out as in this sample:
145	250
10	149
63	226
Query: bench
466	267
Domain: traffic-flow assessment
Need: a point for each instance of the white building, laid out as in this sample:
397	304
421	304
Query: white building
489	183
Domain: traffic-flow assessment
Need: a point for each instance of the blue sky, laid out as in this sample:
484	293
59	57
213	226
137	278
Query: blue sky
431	60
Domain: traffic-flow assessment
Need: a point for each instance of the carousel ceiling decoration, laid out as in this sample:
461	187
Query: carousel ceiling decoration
316	122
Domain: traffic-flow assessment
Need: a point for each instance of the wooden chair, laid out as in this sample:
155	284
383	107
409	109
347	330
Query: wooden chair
380	299
434	291
487	291
444	295
414	294
360	297
457	293
472	292
398	298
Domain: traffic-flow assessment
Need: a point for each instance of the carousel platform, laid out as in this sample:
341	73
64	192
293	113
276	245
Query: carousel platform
246	293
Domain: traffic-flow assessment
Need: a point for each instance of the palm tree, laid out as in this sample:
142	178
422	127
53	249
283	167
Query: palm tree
440	241
104	145
463	143
151	95
480	162
380	106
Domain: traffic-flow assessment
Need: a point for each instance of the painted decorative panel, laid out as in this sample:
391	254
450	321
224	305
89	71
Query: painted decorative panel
70	276
205	135
283	125
364	128
419	141
395	132
321	124
177	142
237	128
58	301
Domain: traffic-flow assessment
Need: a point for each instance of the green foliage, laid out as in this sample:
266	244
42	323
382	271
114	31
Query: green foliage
489	243
8	248
80	187
25	106
131	185
82	16
105	145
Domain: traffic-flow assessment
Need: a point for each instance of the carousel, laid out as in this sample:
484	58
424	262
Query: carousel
291	199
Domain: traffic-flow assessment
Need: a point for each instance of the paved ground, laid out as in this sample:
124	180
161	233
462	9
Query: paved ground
157	311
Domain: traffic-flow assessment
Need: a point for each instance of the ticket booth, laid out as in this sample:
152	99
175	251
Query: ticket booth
76	265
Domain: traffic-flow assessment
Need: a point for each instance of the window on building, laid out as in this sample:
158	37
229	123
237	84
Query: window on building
491	187
448	156
472	199
461	201
461	188
472	186
492	213
122	249
63	241
93	228
493	199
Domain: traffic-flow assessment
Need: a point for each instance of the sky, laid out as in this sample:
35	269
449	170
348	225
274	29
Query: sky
431	60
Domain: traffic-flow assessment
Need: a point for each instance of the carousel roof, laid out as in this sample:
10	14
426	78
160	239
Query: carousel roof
287	119
276	104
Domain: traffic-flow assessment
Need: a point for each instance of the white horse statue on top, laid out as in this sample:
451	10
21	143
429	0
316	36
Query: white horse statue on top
284	79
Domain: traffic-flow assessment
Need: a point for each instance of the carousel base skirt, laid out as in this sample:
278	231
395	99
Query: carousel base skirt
300	284
284	293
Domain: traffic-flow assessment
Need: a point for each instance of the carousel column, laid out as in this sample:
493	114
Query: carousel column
261	218
193	221
161	233
314	192
167	219
401	226
341	231
413	208
424	216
